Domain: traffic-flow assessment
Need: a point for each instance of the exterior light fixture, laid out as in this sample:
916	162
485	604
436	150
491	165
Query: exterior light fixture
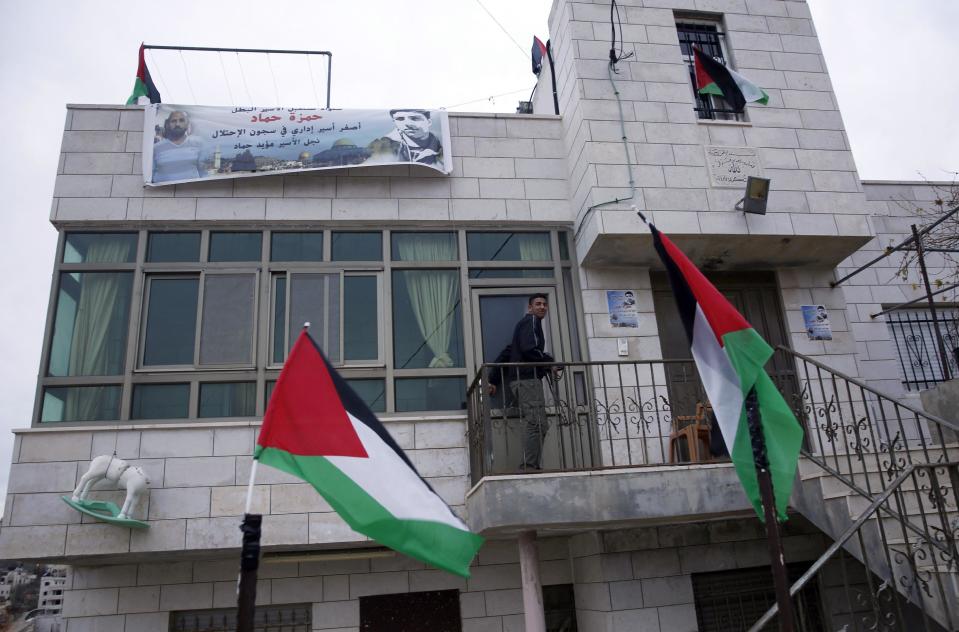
757	192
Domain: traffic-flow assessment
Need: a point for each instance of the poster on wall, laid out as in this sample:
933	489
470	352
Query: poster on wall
622	308
188	143
816	320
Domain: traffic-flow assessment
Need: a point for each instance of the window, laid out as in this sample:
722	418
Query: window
357	246
559	606
173	247
160	401
100	248
427	319
424	247
170	321
295	618
430	393
709	38
80	403
914	336
235	246
296	246
227	399
500	246
436	611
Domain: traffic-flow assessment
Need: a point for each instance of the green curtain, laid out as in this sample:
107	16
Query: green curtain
533	246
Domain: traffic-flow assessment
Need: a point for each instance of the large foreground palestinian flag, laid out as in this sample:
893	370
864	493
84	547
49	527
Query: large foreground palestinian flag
730	357
318	429
713	77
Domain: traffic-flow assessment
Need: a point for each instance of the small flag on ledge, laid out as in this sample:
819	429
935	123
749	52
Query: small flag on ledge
713	77
318	429
143	86
538	52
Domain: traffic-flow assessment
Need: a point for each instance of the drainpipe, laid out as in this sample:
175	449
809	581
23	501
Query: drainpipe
534	615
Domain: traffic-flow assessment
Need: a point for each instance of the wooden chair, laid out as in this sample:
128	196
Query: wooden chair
689	439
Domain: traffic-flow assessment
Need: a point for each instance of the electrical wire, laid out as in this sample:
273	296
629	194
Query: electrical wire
489	98
522	51
187	73
276	90
243	76
316	94
616	56
156	66
219	55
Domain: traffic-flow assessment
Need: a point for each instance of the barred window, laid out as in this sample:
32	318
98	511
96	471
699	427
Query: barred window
295	618
707	35
914	336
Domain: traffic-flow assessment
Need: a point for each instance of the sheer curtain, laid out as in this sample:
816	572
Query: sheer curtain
99	328
533	247
433	293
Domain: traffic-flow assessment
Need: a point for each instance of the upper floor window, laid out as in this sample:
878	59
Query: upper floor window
914	336
708	36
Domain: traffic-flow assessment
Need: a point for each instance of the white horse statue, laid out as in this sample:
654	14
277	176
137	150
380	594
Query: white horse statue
117	471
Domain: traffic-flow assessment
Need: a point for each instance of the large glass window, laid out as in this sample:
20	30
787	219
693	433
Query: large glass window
372	392
173	247
350	246
170	321
100	248
296	246
430	393
160	401
227	399
427	319
424	247
315	299
361	318
500	246
235	246
90	327
226	334
80	403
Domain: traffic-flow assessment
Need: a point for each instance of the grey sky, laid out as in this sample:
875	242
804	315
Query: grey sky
890	63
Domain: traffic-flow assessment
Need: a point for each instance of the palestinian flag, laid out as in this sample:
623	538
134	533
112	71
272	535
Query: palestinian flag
713	77
538	52
143	86
730	356
318	429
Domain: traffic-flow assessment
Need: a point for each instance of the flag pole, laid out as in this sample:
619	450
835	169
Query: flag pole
768	498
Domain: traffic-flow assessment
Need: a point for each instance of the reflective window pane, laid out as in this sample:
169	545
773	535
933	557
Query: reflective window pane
564	245
227	399
427	319
424	247
226	335
173	247
490	246
90	327
422	393
80	403
315	299
171	321
511	273
279	319
360	328
235	246
296	246
372	392
357	246
100	248
160	401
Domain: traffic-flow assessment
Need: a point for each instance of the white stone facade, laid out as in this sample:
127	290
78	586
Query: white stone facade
509	170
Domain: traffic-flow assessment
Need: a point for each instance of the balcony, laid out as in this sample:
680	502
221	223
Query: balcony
621	442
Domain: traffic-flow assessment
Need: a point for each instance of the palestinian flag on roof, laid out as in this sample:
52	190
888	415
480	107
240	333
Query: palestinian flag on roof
538	52
730	356
143	86
318	429
713	77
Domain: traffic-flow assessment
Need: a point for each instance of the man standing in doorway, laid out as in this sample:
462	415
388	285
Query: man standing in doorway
528	346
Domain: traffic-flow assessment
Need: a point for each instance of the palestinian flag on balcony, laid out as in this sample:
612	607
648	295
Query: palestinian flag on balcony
143	86
318	429
730	357
713	77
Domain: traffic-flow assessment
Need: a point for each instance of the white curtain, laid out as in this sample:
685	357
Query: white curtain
433	293
533	246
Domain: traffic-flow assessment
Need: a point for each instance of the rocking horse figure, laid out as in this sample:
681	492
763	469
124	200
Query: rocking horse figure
132	478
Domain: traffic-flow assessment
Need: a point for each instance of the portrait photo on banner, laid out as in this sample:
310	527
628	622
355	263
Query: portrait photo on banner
187	143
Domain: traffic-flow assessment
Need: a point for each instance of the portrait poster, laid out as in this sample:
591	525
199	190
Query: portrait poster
622	308
188	143
816	320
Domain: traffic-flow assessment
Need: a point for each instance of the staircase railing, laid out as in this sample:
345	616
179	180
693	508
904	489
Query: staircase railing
908	581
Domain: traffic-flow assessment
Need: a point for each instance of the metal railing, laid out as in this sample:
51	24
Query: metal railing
914	334
884	573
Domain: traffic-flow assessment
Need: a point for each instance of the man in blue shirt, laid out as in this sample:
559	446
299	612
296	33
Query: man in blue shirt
178	155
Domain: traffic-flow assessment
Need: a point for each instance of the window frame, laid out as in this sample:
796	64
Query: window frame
713	107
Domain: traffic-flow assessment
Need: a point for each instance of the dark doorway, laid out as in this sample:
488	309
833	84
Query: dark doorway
756	296
433	611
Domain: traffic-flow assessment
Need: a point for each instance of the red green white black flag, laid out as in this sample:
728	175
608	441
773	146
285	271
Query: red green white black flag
318	429
712	77
143	85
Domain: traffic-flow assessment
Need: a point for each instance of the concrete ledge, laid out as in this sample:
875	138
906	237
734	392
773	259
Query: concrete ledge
500	505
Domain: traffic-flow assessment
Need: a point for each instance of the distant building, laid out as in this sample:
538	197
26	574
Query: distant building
52	583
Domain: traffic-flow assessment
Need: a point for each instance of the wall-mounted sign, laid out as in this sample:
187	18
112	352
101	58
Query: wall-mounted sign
816	320
186	143
622	308
730	166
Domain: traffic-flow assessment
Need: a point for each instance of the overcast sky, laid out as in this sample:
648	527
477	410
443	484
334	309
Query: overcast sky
891	63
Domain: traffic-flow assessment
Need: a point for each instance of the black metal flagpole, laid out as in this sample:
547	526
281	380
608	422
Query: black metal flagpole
249	561
776	560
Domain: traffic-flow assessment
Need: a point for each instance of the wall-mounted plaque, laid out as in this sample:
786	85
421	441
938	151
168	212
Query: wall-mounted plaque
730	166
